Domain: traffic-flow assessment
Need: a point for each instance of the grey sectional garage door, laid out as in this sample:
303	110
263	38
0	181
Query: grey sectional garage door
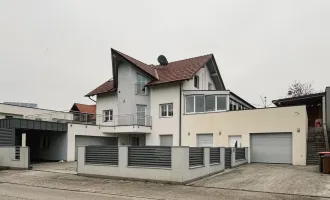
271	148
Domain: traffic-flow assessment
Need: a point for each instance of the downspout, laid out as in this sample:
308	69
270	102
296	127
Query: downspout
324	124
180	114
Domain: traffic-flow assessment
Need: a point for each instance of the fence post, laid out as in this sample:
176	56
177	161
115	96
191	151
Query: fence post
233	156
180	164
81	159
122	157
247	155
222	157
207	158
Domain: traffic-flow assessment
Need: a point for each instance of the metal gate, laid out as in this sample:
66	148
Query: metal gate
227	158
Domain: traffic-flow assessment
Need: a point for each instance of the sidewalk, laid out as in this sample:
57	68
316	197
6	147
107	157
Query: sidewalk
135	189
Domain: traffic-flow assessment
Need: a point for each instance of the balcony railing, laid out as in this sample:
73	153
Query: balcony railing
93	119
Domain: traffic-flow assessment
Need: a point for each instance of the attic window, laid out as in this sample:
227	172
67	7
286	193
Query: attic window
196	81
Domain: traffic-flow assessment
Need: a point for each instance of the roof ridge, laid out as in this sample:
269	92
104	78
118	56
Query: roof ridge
157	66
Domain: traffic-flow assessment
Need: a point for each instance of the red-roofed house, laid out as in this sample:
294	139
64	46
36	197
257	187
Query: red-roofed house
143	104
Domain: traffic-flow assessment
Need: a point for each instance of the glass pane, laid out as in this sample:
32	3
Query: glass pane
163	110
199	104
189	104
170	109
210	103
221	103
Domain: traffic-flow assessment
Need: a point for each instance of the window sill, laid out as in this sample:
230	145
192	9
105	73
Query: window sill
218	111
165	116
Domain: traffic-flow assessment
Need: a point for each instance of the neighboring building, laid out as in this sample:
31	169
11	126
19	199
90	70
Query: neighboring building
83	113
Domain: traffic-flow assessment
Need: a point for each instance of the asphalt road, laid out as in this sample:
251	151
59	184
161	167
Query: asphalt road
19	192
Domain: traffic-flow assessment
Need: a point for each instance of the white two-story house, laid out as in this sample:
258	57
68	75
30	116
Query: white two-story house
144	104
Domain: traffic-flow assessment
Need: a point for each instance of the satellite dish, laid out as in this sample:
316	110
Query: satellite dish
162	60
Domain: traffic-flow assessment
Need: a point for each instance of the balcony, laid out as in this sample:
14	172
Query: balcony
131	123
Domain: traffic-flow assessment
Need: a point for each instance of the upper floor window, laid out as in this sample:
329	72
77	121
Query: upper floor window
205	103
140	85
166	110
107	115
196	81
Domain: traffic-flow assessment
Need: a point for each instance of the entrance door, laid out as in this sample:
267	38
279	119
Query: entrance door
205	140
141	114
271	148
235	141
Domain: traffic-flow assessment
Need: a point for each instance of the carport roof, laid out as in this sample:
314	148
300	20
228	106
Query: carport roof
32	124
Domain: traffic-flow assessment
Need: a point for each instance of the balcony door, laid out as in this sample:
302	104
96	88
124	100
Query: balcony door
141	114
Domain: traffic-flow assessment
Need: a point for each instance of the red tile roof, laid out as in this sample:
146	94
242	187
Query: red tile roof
83	108
144	67
104	88
173	71
180	70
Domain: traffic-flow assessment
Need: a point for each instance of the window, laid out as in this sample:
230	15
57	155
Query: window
221	103
107	115
205	103
196	81
141	114
166	110
190	100
199	103
209	103
140	85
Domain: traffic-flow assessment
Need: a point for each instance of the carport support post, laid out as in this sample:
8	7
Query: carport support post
23	139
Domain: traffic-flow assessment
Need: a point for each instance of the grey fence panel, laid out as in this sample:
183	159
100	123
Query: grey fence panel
6	137
149	156
214	155
107	155
196	156
239	153
227	158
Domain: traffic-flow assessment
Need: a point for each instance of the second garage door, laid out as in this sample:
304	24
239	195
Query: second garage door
271	148
92	140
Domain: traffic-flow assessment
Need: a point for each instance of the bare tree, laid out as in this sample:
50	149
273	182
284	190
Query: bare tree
299	89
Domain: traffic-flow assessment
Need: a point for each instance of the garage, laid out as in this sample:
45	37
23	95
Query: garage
205	140
93	140
271	148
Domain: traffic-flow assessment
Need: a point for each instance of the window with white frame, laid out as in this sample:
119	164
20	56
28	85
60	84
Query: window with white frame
205	103
141	81
166	110
107	115
196	81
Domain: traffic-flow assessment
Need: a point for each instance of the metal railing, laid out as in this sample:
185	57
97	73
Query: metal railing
150	156
214	155
94	119
107	155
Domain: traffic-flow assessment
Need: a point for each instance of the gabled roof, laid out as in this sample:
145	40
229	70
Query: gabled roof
84	108
144	67
172	72
108	86
180	70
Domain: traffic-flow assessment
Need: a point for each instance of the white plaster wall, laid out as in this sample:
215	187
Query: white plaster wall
204	79
127	98
106	102
272	120
167	93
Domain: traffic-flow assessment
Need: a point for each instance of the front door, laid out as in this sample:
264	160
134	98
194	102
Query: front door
141	114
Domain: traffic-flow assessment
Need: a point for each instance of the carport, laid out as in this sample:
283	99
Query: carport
47	140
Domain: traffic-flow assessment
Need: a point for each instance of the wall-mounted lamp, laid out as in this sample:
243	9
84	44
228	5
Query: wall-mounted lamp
298	130
219	132
188	133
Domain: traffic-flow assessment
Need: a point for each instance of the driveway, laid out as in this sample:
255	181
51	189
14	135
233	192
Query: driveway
57	167
284	179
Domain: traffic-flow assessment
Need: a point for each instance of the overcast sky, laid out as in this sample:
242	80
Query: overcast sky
54	52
